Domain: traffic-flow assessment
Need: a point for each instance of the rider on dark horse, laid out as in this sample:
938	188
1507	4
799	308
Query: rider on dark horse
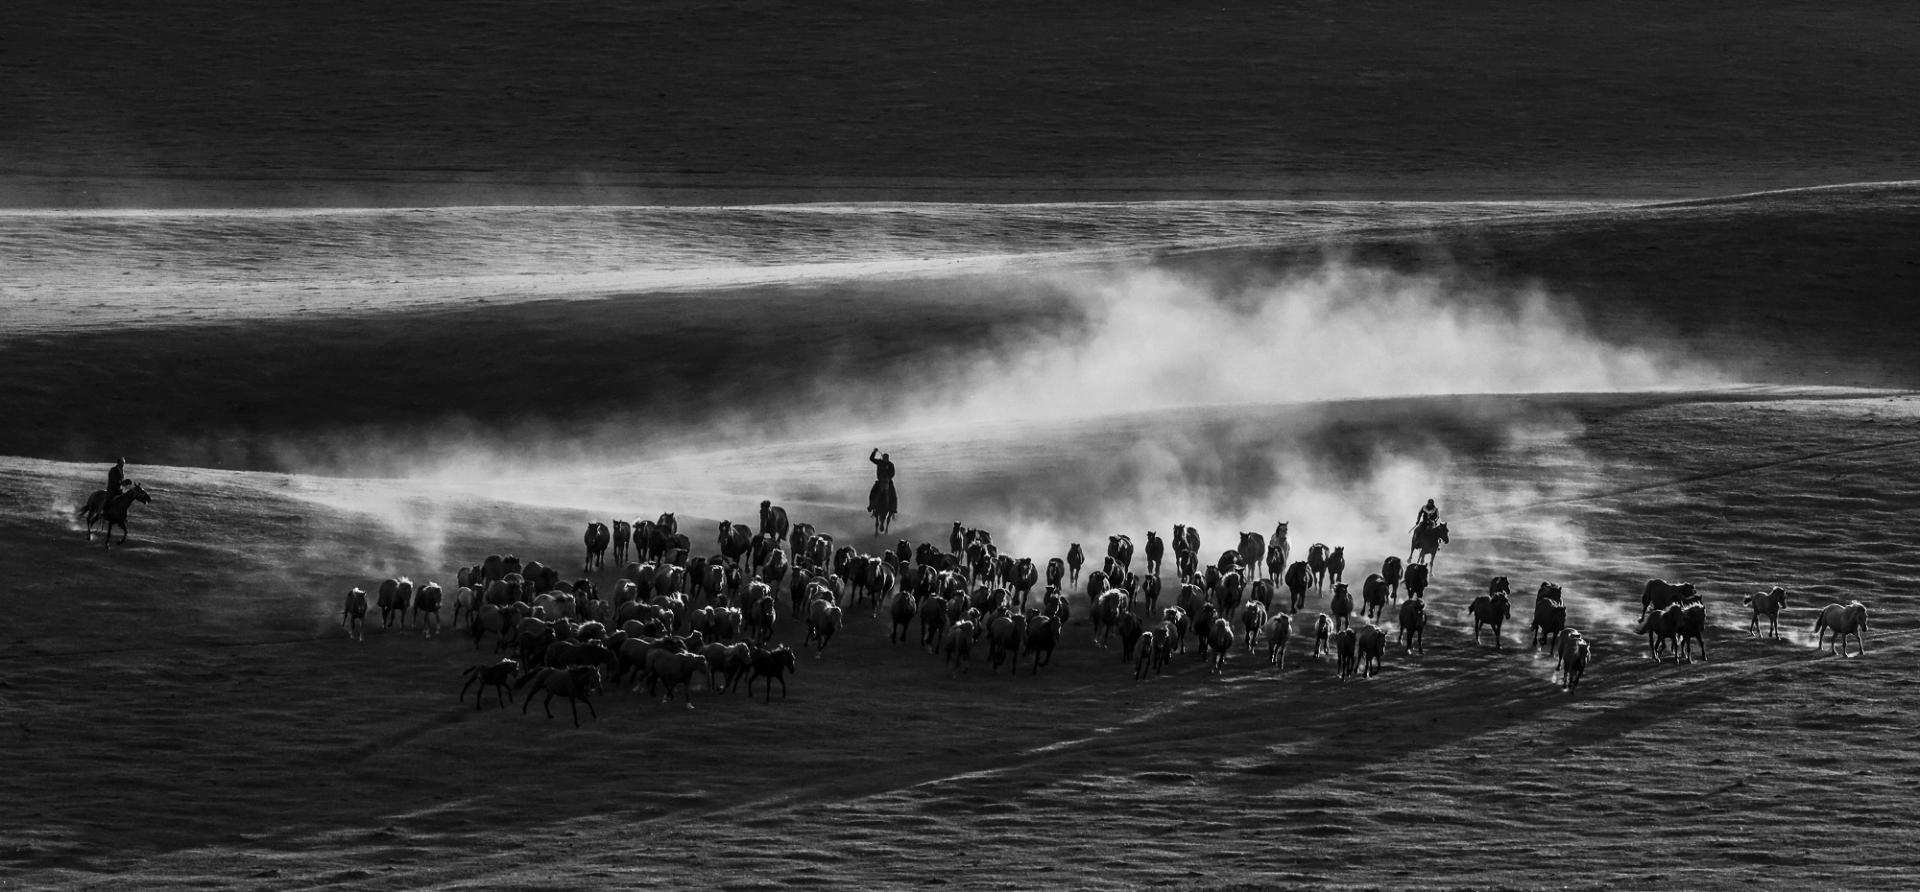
882	501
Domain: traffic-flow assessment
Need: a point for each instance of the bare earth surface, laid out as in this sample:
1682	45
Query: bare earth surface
184	710
225	733
365	292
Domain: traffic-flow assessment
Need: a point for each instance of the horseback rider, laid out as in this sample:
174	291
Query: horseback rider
882	501
1429	517
116	477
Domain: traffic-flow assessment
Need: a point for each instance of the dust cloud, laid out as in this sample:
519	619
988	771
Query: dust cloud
1337	399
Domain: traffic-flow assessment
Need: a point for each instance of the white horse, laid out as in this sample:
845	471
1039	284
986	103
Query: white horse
463	605
1842	620
1278	629
1766	604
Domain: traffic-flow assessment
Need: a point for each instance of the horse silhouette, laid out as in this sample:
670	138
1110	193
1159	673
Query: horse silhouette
735	539
1373	597
1317	563
1416	581
1660	593
1426	543
1341	605
1299	577
1549	617
622	534
113	509
1253	551
773	520
598	538
883	502
1413	625
1490	610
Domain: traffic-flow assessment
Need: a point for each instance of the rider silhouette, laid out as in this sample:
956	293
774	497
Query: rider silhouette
882	501
1429	516
116	477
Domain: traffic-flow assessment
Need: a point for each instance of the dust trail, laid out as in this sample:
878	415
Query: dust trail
1326	398
1154	339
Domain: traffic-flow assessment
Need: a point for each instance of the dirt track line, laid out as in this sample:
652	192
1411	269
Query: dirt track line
1170	728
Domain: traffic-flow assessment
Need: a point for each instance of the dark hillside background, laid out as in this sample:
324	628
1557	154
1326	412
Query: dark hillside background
220	101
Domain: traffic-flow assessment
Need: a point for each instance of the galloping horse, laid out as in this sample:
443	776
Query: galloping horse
597	539
1317	563
1490	610
734	540
1426	543
773	519
622	534
883	502
1253	551
113	508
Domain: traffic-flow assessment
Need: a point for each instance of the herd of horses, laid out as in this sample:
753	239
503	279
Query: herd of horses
672	617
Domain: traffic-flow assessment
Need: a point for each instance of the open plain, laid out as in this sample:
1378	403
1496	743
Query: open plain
1668	335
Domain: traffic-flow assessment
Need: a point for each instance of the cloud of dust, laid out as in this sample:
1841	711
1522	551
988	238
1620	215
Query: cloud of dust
1155	339
1161	397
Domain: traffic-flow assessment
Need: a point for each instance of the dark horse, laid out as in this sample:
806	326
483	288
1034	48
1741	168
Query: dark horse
112	509
1426	543
883	503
